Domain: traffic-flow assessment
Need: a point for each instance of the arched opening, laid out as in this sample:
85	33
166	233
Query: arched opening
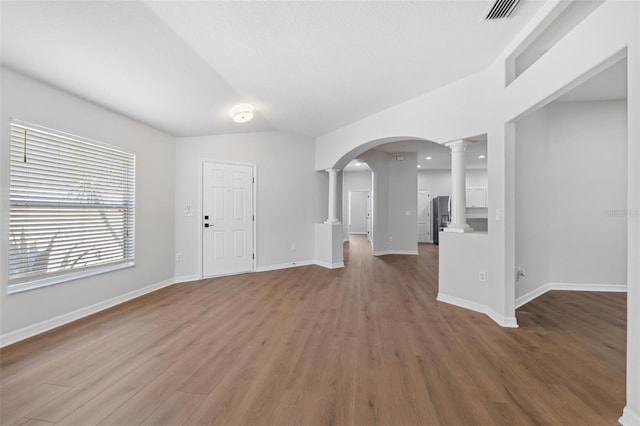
400	188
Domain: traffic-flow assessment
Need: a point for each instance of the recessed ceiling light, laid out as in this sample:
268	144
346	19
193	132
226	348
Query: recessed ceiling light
241	113
482	156
427	158
419	166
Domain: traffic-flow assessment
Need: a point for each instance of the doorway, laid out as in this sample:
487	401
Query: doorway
359	212
227	219
424	216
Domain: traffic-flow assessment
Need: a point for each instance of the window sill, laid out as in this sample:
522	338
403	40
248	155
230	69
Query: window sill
58	279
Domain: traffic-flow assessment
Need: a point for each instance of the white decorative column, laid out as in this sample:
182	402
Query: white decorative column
332	216
458	188
328	235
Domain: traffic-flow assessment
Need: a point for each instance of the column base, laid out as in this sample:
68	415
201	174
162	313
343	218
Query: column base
457	229
328	245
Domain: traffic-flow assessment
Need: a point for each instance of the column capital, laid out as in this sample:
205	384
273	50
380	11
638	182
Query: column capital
457	146
332	171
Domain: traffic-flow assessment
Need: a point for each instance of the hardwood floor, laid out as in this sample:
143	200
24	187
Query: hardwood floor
364	345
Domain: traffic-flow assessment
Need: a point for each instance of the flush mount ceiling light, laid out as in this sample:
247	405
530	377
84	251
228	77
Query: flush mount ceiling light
241	113
419	166
427	158
482	156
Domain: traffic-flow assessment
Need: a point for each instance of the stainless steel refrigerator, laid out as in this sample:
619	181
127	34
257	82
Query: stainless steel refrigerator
440	215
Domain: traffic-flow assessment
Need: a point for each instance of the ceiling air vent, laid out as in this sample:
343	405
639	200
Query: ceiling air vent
501	9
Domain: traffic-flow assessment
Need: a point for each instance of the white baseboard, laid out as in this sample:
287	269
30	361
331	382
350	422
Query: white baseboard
462	303
384	252
328	265
285	265
187	278
502	321
618	288
629	418
526	298
41	327
358	233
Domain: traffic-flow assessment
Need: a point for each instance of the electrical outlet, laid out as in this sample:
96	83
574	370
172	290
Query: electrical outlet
521	273
482	276
178	257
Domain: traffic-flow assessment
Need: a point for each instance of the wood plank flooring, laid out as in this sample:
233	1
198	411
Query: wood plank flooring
364	345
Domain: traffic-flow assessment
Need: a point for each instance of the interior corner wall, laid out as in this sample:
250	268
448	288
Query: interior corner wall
291	195
533	202
352	181
32	101
571	195
588	174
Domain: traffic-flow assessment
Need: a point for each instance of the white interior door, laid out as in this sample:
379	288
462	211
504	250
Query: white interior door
227	219
369	216
358	212
424	216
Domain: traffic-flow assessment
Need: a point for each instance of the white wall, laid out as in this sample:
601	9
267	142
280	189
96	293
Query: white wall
291	196
461	285
452	112
395	193
403	203
588	180
571	195
533	202
34	102
352	181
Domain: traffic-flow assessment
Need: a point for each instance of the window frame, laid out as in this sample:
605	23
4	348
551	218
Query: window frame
21	284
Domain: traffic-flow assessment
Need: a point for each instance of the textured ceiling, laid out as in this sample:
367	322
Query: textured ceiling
308	67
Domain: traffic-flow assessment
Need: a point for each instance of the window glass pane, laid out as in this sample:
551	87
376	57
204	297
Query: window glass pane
71	204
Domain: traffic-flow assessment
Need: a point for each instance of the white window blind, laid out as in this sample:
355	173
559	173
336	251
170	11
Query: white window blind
71	209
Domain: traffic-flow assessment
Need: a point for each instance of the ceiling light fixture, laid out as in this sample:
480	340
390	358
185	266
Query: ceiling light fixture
427	158
419	166
241	113
482	156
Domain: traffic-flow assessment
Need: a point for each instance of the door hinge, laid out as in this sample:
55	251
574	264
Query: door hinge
253	218
253	256
253	180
